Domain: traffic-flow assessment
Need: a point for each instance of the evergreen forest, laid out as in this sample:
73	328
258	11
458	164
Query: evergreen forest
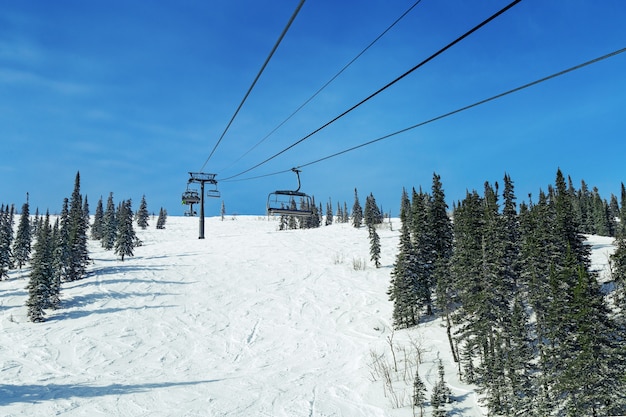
527	320
55	247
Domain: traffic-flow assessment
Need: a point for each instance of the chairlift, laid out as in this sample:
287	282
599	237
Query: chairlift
190	197
214	193
290	203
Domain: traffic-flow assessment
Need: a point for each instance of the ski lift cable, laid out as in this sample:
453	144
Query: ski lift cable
385	87
333	78
451	113
267	60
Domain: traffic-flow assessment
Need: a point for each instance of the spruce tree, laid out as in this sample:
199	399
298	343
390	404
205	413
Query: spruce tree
423	248
109	225
357	211
374	246
599	354
23	237
41	274
162	219
419	393
403	276
6	240
440	227
372	213
126	240
57	256
63	242
142	214
329	213
98	221
441	394
79	255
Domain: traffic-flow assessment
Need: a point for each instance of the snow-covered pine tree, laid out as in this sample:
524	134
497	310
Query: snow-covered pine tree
222	211
23	237
142	214
98	219
109	225
126	239
357	211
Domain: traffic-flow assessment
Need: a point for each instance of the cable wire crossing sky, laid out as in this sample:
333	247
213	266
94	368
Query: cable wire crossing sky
136	95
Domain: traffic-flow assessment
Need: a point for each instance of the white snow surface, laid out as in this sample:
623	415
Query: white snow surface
250	321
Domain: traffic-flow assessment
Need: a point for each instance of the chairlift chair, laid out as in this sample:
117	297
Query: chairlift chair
288	202
190	197
214	193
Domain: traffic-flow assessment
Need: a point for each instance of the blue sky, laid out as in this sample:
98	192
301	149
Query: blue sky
135	94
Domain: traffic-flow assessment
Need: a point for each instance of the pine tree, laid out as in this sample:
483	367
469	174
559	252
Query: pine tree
162	219
64	254
98	222
357	211
329	213
374	245
441	394
126	240
6	240
79	255
109	225
423	249
40	274
587	343
372	213
222	210
142	214
440	227
57	255
401	291
23	237
419	393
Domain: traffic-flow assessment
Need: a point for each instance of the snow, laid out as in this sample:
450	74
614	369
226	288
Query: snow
250	321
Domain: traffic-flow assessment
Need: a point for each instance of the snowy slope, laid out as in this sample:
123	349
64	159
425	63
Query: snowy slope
247	322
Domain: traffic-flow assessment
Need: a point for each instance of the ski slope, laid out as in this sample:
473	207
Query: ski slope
250	321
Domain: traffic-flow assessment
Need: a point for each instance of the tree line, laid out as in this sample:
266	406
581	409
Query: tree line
56	248
527	320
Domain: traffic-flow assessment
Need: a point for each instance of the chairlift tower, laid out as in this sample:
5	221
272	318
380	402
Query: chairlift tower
202	178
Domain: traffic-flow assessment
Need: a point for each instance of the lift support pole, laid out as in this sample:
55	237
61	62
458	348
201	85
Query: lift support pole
202	178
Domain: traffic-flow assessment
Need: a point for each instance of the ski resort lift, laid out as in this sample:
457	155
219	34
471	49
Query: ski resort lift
291	203
190	197
214	193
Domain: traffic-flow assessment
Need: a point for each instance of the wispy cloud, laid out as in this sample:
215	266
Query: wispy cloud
30	78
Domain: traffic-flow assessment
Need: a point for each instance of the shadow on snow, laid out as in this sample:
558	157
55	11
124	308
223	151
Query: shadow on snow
33	393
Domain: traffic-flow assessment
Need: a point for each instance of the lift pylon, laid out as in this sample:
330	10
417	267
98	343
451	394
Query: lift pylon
201	178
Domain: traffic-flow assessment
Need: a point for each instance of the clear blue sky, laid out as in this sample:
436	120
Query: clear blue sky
135	94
